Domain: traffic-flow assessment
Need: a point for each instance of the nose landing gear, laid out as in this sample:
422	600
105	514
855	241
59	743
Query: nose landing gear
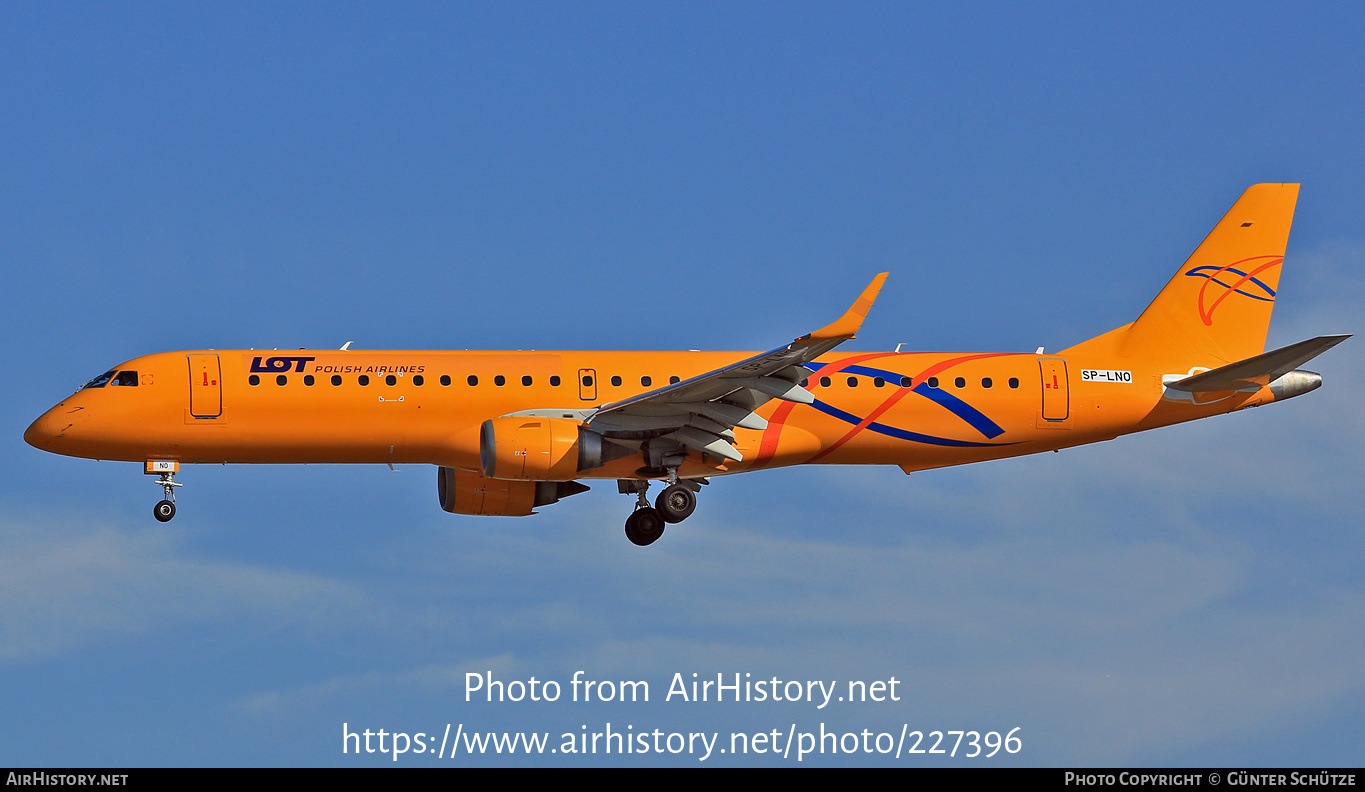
164	509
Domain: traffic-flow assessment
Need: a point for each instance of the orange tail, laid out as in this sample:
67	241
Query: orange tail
1218	305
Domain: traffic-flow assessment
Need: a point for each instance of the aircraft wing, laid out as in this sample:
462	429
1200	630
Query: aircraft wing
703	411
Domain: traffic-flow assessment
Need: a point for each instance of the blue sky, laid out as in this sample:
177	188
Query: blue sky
714	176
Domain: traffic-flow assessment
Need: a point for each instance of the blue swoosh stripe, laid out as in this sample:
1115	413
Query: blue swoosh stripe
890	376
901	434
961	409
1195	273
974	417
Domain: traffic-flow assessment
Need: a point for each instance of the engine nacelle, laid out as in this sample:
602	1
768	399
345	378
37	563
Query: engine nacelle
535	448
466	492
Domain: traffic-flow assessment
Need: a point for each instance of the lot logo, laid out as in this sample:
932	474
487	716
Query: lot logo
279	365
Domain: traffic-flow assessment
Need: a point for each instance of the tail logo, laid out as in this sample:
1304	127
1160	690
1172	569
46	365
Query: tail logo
1238	277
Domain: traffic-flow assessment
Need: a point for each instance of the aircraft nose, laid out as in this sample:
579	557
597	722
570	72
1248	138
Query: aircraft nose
42	432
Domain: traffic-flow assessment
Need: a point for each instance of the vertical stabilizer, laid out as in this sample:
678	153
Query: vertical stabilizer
1218	305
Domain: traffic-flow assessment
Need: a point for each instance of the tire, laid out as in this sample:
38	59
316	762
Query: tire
163	511
644	527
676	503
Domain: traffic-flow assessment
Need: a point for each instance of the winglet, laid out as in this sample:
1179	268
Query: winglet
848	324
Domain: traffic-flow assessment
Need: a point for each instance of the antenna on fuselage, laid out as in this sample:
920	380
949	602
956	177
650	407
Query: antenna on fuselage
346	347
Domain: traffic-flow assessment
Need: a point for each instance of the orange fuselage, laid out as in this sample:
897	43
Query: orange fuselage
310	406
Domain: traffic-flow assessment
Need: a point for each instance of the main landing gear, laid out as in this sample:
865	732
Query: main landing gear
644	526
676	503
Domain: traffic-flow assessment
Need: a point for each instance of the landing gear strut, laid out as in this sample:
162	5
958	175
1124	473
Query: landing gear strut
675	504
164	509
645	525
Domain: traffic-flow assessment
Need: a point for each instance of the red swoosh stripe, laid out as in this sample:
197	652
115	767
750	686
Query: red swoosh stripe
1207	316
768	446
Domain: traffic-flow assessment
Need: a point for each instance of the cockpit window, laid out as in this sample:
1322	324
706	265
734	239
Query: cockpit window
125	378
100	381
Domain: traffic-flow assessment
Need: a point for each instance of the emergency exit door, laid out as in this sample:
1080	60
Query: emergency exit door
206	386
1056	395
587	384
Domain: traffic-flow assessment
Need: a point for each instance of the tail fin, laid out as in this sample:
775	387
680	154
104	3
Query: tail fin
1218	304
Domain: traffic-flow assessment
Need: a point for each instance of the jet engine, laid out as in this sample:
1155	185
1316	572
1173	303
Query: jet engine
534	448
466	492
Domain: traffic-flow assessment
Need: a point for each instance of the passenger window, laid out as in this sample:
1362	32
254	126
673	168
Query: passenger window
933	382
878	382
905	382
986	382
364	379
125	378
500	380
308	379
554	380
390	380
852	382
445	380
587	381
960	382
1014	382
824	382
254	380
526	380
336	379
673	380
616	381
417	380
281	379
472	380
646	381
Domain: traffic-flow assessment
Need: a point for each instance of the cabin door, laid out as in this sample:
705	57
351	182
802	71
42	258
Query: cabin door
1056	396
206	386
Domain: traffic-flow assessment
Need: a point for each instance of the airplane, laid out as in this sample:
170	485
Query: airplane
510	432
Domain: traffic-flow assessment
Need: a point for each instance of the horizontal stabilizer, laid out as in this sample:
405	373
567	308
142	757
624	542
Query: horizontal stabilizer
1259	370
